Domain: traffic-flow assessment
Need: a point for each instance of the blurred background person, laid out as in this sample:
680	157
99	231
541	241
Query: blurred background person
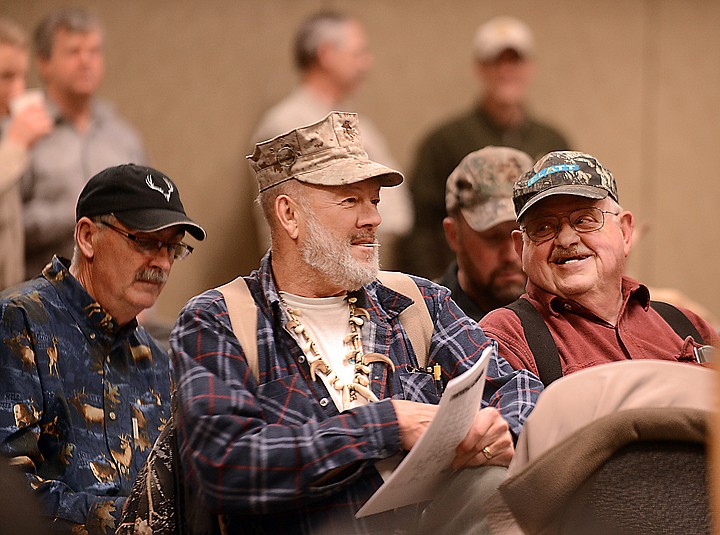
17	134
486	273
88	135
332	55
503	56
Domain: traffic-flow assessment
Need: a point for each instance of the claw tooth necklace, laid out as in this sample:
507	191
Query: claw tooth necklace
356	356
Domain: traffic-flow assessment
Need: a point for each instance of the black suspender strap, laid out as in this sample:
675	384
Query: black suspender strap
544	349
539	340
679	322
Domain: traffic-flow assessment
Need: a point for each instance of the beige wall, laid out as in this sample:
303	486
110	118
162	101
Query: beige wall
632	82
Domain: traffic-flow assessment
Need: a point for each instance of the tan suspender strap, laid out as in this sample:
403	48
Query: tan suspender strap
243	319
415	319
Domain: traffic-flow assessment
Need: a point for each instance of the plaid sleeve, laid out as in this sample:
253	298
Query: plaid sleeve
456	345
251	449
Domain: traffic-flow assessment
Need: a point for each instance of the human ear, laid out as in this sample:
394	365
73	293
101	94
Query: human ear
517	237
450	227
85	230
627	224
288	215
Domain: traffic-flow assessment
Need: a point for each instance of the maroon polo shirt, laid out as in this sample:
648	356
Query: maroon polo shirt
583	339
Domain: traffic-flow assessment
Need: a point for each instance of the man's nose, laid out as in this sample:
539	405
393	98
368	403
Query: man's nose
566	234
369	216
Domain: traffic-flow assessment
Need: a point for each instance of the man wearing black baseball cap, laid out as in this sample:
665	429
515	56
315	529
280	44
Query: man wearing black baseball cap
573	241
84	391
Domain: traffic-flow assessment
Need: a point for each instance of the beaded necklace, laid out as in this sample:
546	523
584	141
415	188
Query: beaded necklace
355	356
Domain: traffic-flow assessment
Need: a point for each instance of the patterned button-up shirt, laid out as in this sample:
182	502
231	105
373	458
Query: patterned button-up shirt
81	399
278	457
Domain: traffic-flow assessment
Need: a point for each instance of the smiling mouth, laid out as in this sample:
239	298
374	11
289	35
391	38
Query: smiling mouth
570	260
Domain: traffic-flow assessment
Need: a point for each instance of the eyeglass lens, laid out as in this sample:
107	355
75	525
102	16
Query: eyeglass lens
547	227
151	246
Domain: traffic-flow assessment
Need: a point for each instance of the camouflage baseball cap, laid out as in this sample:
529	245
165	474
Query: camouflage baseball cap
481	186
326	153
563	173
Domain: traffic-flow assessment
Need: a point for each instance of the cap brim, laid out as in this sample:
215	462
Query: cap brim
489	213
153	220
578	190
350	171
491	53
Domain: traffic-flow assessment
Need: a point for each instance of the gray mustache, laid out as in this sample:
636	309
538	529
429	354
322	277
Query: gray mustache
152	275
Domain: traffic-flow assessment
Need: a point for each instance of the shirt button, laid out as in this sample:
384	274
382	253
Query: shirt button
324	402
301	359
112	415
92	336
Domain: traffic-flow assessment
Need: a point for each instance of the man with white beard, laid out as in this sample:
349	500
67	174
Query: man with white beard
297	443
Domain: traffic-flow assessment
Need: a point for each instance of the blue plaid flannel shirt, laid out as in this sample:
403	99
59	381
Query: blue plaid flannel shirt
257	454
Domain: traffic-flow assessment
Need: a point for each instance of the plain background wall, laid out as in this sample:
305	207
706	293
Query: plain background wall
634	83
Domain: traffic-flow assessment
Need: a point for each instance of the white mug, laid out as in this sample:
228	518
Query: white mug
31	96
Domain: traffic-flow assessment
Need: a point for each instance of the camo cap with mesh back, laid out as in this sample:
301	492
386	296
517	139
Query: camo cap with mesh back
563	173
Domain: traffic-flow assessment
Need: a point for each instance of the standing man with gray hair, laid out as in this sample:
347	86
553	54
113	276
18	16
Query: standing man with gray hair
333	58
298	442
88	135
486	273
503	56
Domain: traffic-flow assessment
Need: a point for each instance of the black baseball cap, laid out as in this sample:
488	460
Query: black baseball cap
141	197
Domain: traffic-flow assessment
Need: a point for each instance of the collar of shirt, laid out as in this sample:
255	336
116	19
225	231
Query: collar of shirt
92	318
631	289
98	112
381	302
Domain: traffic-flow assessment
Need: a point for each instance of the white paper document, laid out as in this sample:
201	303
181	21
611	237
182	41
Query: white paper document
427	467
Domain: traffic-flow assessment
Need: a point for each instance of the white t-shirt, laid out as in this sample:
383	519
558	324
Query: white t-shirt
326	320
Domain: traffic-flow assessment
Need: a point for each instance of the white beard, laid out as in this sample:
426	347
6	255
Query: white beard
332	256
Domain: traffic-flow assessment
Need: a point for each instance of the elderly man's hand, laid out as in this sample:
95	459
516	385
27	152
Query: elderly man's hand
488	441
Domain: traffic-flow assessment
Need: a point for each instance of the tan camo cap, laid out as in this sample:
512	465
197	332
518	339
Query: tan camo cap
326	153
481	186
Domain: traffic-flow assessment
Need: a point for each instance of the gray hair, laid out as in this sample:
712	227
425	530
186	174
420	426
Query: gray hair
105	218
323	27
12	34
72	19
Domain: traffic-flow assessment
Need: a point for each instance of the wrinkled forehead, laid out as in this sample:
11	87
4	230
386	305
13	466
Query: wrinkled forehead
370	186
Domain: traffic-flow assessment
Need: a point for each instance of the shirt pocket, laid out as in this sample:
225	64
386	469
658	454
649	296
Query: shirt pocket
288	400
418	386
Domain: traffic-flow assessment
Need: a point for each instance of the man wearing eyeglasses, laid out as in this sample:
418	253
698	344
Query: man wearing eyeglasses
573	240
84	390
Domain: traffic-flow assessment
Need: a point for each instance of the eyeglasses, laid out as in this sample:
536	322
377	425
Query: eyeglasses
544	228
154	246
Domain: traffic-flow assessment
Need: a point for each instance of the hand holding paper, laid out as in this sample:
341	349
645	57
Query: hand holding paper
456	435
